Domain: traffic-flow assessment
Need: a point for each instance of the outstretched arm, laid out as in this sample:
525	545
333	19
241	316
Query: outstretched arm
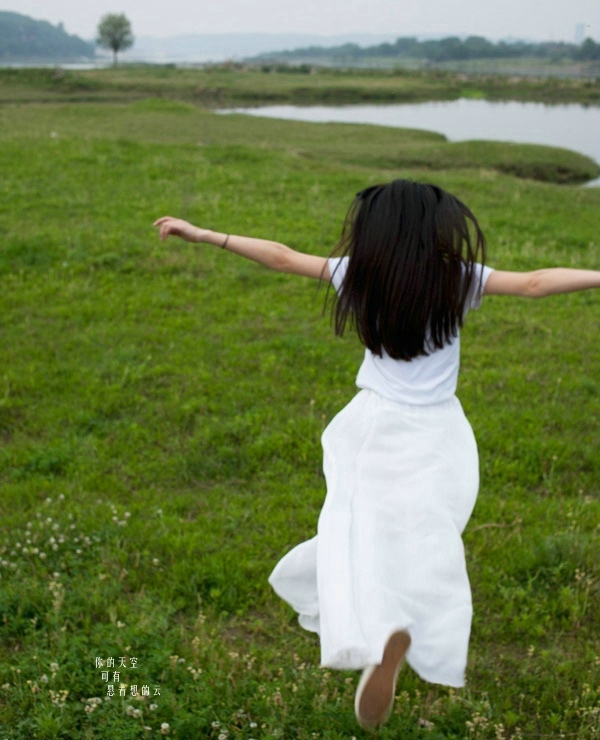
270	254
540	283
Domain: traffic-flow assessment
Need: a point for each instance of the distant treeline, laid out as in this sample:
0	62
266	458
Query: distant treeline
24	39
452	48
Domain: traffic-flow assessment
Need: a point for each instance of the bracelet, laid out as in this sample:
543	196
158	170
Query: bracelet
225	242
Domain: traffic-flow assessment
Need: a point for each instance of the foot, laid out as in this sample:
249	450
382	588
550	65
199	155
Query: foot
377	686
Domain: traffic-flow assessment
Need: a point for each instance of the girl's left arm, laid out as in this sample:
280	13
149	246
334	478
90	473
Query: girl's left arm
541	283
271	254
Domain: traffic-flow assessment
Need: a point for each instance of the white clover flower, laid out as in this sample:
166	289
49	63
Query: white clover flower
153	707
165	728
44	678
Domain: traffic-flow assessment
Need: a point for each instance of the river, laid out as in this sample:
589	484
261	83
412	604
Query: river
571	126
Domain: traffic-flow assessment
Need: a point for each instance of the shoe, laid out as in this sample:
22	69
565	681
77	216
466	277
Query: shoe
377	686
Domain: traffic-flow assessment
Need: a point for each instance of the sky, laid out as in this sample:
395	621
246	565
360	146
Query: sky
538	20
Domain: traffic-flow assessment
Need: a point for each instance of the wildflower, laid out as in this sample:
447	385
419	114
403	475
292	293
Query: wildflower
153	707
164	728
44	678
59	697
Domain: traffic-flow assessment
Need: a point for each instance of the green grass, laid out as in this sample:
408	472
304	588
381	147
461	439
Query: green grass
159	121
227	85
160	414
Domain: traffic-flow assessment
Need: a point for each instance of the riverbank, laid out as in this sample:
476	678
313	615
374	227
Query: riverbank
163	121
571	127
232	85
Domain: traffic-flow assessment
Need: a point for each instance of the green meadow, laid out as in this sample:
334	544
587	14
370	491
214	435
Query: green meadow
161	406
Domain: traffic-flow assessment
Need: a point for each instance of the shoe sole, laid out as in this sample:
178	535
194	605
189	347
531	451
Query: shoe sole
377	687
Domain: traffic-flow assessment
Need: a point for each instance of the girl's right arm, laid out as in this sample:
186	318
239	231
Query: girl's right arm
541	283
271	254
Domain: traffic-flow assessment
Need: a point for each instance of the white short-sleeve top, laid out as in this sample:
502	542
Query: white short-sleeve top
425	379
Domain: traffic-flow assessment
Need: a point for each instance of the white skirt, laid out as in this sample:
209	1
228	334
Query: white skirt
401	485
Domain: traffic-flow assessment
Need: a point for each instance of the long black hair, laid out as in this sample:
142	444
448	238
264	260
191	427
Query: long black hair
412	249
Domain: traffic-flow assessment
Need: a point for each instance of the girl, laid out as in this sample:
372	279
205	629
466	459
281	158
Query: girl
385	577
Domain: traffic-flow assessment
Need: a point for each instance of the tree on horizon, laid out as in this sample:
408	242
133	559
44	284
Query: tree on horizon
114	32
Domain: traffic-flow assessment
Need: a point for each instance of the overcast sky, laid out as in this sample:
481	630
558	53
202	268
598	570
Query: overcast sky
526	19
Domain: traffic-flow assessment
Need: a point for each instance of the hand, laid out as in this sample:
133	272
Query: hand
169	226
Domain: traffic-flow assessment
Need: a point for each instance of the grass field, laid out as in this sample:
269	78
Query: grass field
160	414
230	85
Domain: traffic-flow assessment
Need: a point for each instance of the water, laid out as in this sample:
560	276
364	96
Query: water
572	126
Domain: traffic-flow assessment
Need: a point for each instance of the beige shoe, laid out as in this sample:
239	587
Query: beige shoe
377	686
